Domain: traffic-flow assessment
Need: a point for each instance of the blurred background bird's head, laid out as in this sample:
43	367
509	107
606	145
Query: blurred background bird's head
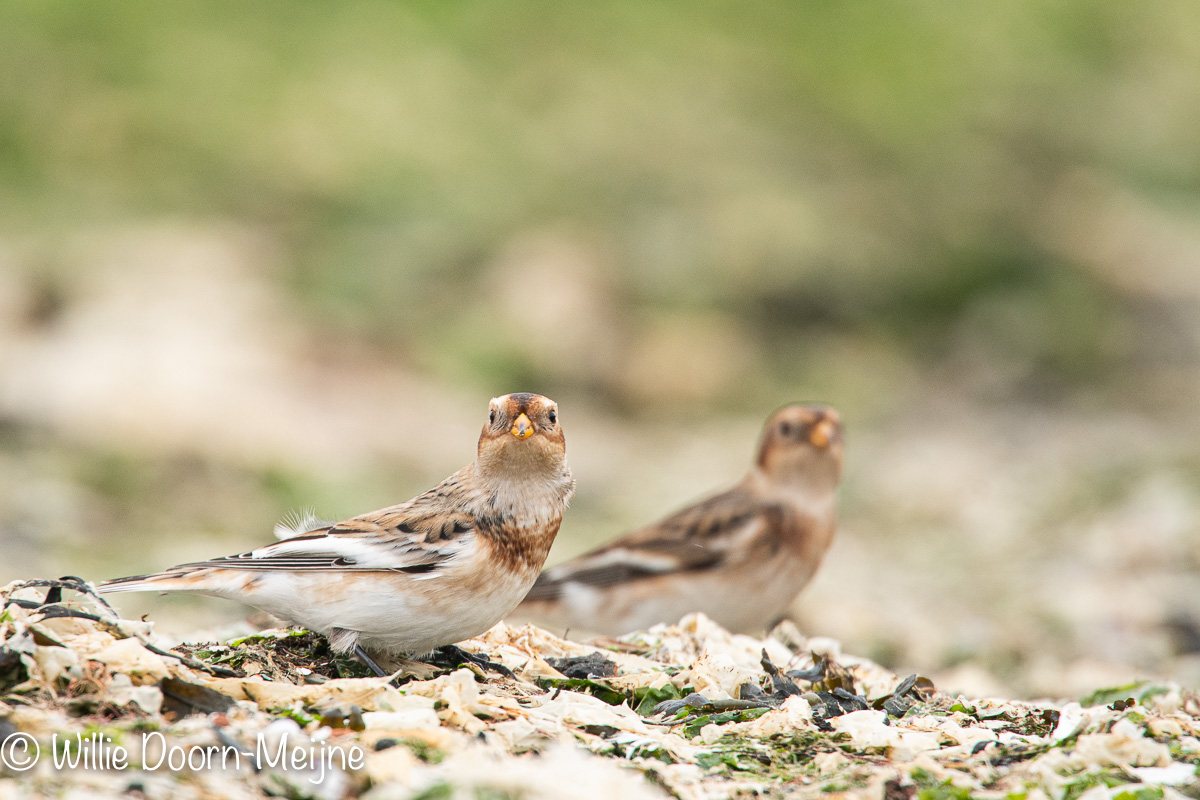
242	247
801	450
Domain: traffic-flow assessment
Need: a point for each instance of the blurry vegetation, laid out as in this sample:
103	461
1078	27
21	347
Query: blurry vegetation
722	181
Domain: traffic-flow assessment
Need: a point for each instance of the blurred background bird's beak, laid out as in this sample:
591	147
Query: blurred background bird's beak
822	433
522	428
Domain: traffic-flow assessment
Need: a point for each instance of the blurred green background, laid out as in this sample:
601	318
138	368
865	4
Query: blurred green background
263	257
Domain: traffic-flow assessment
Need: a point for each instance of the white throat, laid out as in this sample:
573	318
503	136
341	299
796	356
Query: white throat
796	493
525	495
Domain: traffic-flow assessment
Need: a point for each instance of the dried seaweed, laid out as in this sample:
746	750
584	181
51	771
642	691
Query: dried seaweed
593	665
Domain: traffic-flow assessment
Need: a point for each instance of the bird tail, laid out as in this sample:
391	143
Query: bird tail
159	582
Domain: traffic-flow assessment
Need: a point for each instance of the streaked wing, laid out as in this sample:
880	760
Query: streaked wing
621	565
713	523
699	537
393	539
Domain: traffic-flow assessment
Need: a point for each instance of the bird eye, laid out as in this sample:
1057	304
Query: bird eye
785	428
553	416
492	416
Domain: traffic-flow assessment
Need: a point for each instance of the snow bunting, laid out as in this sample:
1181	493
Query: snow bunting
443	567
740	556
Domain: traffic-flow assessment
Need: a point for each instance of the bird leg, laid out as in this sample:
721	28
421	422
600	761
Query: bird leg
370	662
454	656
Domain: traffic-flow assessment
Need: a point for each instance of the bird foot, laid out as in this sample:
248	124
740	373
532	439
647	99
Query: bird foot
449	656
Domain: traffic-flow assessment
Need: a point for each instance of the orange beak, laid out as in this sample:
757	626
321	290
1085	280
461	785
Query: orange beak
822	433
522	428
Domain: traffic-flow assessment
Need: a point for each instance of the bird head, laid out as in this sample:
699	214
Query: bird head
522	437
801	448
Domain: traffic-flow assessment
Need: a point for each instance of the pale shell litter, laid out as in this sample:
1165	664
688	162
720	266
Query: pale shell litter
98	685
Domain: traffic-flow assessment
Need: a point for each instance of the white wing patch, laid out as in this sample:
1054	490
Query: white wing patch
638	559
362	553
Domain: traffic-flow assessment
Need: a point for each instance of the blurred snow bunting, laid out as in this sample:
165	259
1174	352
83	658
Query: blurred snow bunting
740	556
407	579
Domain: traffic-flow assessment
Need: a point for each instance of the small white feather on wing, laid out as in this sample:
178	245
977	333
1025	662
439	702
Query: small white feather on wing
298	523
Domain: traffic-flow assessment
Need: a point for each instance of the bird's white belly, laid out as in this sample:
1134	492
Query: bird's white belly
390	612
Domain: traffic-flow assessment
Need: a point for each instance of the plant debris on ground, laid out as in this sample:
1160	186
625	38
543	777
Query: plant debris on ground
90	703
